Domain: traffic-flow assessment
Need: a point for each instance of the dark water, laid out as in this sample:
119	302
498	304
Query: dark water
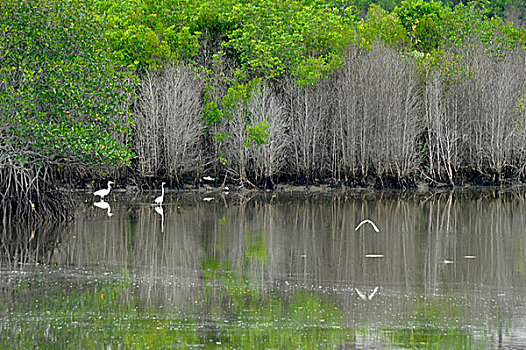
271	271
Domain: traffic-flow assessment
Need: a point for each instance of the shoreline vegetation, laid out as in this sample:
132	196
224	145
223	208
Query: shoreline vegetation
257	94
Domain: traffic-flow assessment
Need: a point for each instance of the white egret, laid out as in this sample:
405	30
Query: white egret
208	178
364	296
104	192
367	221
159	200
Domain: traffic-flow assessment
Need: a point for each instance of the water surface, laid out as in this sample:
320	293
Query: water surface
271	271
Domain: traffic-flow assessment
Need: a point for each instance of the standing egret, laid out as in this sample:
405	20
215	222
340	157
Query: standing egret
104	192
159	200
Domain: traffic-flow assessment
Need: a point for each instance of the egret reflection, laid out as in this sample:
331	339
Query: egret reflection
159	210
374	255
104	205
365	296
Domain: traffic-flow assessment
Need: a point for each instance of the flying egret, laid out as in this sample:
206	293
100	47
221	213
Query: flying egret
104	192
159	200
367	221
364	296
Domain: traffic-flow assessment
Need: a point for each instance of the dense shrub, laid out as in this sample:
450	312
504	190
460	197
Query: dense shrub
62	102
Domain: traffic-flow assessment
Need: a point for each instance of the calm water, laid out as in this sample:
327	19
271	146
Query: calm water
271	271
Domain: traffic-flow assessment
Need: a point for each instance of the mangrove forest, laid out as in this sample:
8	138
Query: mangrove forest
256	93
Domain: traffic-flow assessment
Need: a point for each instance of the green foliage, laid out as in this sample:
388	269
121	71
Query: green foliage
431	26
473	21
302	38
147	34
64	98
211	112
424	22
500	7
383	26
238	94
465	27
212	18
258	134
268	38
235	101
61	99
387	5
435	30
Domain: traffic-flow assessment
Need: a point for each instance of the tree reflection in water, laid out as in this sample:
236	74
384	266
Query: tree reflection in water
30	243
283	270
